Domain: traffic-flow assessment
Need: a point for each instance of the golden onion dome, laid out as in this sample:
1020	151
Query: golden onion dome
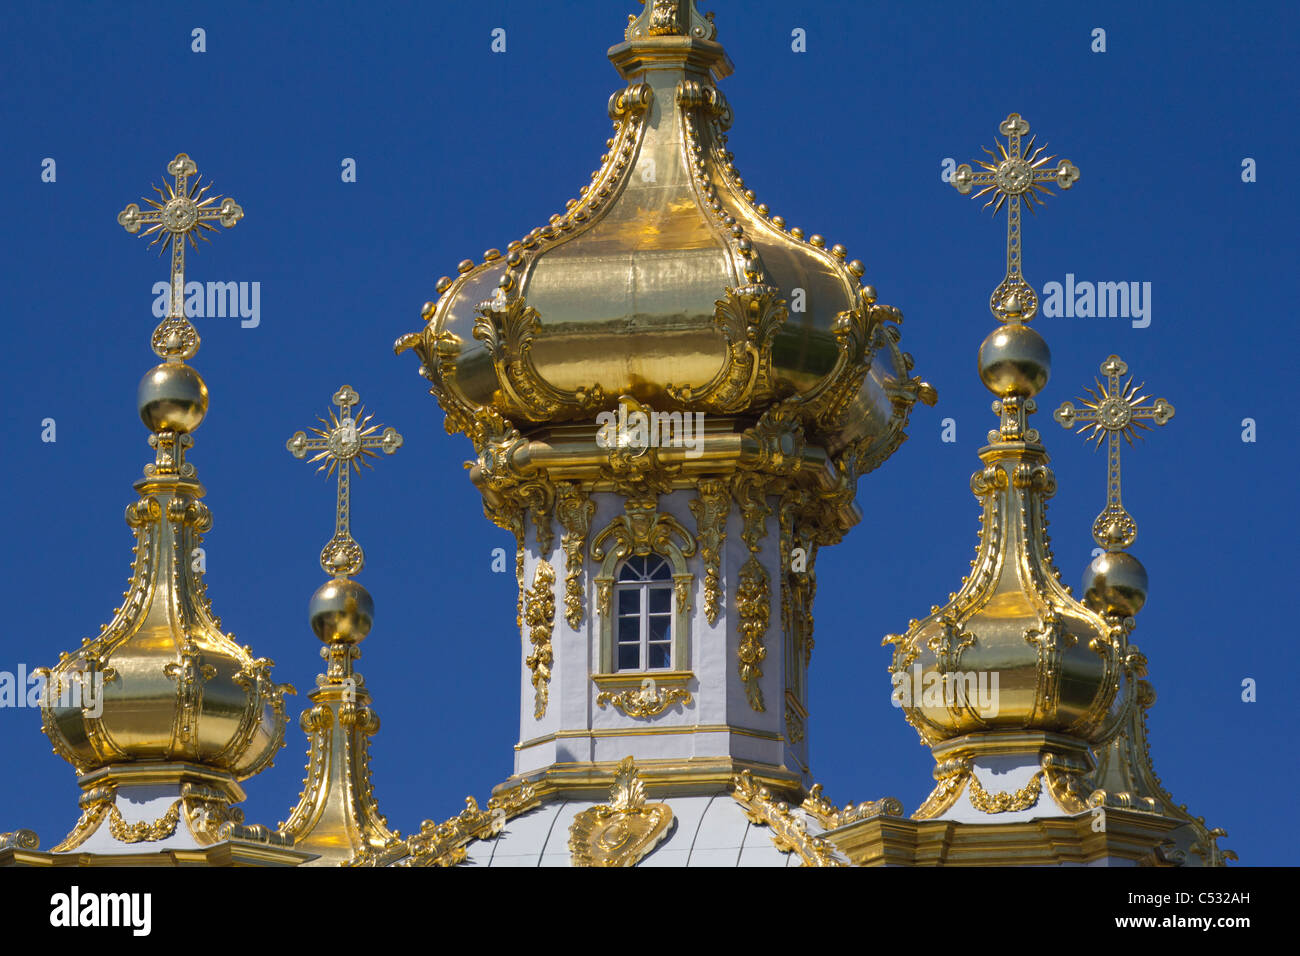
1012	650
162	682
667	281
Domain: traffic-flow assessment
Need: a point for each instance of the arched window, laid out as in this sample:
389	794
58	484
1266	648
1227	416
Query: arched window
646	625
644	600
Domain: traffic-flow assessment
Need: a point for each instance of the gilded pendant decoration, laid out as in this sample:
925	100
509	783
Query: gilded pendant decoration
753	606
574	509
710	509
623	831
648	700
789	833
539	615
754	587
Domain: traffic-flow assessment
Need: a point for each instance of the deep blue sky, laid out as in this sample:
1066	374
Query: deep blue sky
459	150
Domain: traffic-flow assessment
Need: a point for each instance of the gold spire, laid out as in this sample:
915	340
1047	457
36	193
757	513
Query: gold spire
337	815
1116	586
181	708
1056	675
1112	411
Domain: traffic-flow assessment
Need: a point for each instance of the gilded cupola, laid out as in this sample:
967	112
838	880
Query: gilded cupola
162	700
668	281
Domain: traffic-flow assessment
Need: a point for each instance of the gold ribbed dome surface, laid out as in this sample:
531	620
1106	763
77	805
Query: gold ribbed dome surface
174	687
667	281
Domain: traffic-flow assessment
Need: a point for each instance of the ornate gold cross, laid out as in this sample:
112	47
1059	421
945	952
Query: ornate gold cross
345	443
1020	175
183	212
1114	409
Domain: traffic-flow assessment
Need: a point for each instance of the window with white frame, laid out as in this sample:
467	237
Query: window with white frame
644	598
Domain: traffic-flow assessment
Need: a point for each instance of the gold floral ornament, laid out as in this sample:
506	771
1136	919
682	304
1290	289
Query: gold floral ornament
345	443
1021	175
647	700
1113	411
1004	802
183	213
622	832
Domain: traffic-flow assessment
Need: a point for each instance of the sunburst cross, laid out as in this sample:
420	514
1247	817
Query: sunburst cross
345	443
183	212
1021	175
1112	411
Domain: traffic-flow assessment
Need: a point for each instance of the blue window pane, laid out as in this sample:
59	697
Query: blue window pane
660	627
629	657
659	570
660	655
629	630
660	600
633	569
629	602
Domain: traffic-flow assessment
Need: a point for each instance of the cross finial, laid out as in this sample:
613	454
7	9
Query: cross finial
1019	174
343	444
1115	409
182	213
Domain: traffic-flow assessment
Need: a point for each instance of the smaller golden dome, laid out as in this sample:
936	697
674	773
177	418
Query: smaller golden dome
172	397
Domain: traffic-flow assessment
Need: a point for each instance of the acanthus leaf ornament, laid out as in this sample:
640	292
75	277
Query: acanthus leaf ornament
748	319
623	831
507	326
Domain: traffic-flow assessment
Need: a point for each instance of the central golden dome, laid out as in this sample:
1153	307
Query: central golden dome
667	281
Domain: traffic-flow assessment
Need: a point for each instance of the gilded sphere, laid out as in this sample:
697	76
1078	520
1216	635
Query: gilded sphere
172	397
1115	583
1014	360
341	610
